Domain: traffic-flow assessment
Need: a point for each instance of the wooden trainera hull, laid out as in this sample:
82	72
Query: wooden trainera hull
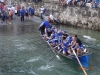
84	59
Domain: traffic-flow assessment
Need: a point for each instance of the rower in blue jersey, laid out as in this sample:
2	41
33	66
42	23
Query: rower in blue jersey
70	39
53	35
55	29
54	42
60	33
65	46
78	45
48	32
43	26
47	24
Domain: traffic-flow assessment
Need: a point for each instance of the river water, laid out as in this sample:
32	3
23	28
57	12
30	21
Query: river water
22	52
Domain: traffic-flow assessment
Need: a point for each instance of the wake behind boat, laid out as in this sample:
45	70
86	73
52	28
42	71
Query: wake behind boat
69	46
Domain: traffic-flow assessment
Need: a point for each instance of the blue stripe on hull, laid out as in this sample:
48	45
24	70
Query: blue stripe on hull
84	60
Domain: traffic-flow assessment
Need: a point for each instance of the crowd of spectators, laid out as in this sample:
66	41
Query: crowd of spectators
82	3
7	13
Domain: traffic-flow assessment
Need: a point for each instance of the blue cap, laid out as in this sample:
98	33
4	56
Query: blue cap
65	31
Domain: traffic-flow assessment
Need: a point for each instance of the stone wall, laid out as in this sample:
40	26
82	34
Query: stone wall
75	16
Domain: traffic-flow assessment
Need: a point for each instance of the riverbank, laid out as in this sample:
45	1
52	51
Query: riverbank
83	17
74	16
16	21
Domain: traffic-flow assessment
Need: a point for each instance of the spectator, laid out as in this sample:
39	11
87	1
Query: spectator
0	13
27	14
22	13
68	2
6	15
11	14
59	2
18	10
42	9
73	2
96	3
31	12
2	16
63	2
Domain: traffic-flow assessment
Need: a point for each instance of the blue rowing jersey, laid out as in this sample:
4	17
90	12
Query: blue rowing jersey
53	36
70	39
22	12
47	24
67	44
60	34
55	40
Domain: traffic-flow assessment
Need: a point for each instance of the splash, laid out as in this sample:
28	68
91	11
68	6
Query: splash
32	72
18	44
21	48
47	67
21	71
34	59
88	37
16	40
98	45
57	56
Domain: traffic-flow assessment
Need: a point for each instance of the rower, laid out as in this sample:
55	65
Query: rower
66	47
59	34
54	42
48	32
43	26
47	24
78	45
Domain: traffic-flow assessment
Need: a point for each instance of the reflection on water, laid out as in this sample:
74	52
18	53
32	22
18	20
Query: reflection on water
16	29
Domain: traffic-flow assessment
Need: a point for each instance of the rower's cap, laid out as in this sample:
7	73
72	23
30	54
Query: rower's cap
65	31
61	29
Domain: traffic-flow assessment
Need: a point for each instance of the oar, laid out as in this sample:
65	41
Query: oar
46	52
54	51
79	62
51	59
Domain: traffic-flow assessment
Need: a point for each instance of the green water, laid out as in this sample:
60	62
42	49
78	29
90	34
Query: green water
21	53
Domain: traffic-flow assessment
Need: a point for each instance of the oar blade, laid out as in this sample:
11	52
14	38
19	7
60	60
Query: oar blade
57	56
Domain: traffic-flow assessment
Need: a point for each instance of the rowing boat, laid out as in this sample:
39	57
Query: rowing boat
84	58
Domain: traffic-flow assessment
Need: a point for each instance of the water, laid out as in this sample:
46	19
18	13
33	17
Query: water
22	54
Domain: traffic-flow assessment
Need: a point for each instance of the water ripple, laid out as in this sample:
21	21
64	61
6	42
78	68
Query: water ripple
88	37
34	59
32	72
18	44
46	67
21	48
